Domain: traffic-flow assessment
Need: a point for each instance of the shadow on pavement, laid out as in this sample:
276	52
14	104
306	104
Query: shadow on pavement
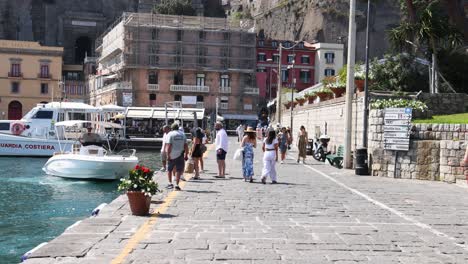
194	191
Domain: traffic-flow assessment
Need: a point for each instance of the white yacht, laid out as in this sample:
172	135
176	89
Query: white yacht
91	161
35	133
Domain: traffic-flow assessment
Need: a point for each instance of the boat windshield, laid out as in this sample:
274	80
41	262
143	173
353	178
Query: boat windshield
29	115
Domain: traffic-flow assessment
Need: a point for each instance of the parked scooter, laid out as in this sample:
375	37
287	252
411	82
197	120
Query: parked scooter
320	150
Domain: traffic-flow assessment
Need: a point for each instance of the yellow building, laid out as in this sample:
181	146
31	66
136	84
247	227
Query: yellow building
29	74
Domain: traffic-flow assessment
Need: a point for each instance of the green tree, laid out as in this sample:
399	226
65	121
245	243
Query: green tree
175	7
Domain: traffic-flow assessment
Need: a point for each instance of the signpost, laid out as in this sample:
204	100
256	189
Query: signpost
397	131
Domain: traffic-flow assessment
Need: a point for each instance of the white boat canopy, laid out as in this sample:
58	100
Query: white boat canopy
160	113
72	106
79	122
112	108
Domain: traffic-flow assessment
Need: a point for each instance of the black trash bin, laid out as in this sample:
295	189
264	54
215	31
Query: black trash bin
362	167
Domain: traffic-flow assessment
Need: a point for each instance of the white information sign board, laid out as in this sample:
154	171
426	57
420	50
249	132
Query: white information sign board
397	128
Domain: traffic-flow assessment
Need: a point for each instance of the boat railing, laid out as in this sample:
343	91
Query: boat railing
127	152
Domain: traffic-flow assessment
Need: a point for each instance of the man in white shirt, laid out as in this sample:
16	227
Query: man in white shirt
240	133
177	154
166	130
222	144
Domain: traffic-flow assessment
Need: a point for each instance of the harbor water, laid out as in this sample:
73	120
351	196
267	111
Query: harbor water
35	207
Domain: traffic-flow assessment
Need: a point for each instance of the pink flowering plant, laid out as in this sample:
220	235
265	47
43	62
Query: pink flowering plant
140	179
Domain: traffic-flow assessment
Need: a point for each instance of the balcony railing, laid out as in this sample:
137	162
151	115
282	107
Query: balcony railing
115	86
190	88
15	74
223	106
249	90
225	90
44	76
153	87
200	105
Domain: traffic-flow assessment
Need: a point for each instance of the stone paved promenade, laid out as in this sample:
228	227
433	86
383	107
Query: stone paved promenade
316	214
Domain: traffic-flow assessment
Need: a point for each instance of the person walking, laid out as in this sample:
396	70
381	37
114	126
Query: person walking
249	142
204	141
197	152
177	154
270	157
302	140
166	130
222	144
240	132
283	143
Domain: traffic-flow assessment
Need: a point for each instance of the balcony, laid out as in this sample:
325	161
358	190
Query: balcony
225	90
223	106
200	105
153	87
250	90
190	88
114	86
44	76
15	74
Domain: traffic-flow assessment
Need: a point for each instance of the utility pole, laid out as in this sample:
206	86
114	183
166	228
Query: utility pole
350	83
366	82
278	89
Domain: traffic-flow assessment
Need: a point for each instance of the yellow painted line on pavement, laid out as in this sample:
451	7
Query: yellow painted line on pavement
145	229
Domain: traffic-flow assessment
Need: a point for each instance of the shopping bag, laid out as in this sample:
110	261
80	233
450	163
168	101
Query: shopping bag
238	154
189	166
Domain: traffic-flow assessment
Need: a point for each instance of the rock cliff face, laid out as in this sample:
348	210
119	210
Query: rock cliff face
323	21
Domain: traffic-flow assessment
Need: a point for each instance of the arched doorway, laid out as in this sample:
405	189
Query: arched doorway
15	110
82	47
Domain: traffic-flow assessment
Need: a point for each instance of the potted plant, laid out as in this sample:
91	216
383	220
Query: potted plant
324	93
139	186
311	97
337	88
287	104
300	100
359	79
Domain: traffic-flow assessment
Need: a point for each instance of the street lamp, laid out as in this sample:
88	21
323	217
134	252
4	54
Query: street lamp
291	67
278	90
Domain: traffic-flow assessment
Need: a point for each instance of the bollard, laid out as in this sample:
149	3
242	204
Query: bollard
362	167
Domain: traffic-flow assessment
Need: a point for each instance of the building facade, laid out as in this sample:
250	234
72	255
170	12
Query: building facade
29	74
297	66
329	59
151	59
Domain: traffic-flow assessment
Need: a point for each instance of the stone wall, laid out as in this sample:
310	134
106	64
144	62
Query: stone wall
442	104
435	153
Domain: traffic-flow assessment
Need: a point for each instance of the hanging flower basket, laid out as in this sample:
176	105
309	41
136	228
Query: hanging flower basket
300	101
338	91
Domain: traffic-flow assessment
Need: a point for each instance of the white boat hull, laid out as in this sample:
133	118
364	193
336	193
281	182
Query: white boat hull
11	145
78	166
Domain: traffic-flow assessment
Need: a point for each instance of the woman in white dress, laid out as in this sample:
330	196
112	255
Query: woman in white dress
270	157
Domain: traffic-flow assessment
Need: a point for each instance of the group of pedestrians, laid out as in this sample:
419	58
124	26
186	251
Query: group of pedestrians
175	151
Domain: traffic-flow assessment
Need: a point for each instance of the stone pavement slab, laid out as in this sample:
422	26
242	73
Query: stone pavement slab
315	214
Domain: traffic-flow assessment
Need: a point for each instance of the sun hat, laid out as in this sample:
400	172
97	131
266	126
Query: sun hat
249	130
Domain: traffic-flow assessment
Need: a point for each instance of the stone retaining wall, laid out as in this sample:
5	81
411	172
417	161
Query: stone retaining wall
435	153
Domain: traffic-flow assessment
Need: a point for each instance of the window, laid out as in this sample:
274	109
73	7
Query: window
178	78
15	70
152	77
261	43
154	33
177	98
202	35
305	59
291	58
301	45
4	126
200	79
200	98
226	35
261	69
43	115
305	76
261	57
329	72
152	99
14	87
330	57
284	75
44	71
287	44
44	88
274	44
224	80
276	58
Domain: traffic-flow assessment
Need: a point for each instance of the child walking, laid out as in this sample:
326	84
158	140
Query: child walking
270	157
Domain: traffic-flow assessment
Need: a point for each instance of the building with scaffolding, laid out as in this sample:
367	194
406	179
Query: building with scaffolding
151	59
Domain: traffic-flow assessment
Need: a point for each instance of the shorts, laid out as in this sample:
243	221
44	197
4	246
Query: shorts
164	156
178	163
220	154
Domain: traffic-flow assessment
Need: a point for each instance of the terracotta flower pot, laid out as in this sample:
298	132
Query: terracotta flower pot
338	91
359	85
323	96
294	104
301	101
139	203
311	99
287	105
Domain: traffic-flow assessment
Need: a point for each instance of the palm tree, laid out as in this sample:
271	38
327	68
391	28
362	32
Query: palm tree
430	30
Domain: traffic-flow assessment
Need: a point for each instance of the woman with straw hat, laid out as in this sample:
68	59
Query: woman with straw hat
249	142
